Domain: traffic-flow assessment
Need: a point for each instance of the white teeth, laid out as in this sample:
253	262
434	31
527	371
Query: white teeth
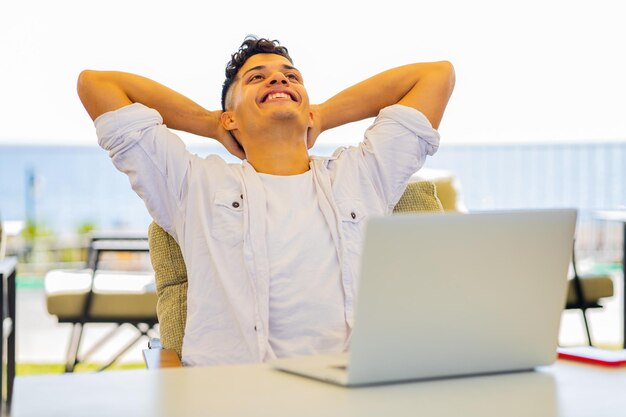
278	95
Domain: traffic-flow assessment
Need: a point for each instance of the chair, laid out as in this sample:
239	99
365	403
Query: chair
586	291
92	295
448	185
171	278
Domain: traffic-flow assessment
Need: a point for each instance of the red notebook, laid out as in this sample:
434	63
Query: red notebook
593	355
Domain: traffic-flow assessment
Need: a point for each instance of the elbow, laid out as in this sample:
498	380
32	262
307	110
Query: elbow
440	73
445	66
85	82
100	92
446	73
89	89
447	69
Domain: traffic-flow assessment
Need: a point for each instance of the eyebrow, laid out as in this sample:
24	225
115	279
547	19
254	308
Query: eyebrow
262	67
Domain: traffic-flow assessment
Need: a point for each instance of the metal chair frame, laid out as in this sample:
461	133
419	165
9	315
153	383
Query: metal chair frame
145	325
581	302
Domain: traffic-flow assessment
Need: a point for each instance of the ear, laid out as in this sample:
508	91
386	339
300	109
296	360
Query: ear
227	119
311	119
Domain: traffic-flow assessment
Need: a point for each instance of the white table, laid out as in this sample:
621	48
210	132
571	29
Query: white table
566	389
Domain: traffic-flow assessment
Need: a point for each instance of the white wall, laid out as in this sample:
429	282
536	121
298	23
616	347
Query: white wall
526	71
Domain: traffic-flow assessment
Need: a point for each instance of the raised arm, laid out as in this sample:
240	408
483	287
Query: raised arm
104	91
424	86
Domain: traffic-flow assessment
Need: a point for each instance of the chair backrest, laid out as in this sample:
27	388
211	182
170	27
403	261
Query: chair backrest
586	290
171	273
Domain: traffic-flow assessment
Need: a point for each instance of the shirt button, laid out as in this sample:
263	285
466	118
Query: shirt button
353	215
255	328
235	204
241	196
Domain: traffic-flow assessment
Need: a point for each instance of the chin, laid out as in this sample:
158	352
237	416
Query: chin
285	114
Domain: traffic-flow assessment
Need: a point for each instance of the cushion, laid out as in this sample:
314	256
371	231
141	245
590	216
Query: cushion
171	273
447	193
594	287
448	187
419	196
116	295
171	284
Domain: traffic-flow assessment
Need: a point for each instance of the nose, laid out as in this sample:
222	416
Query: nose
278	78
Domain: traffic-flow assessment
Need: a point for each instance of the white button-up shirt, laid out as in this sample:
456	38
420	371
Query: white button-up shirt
216	212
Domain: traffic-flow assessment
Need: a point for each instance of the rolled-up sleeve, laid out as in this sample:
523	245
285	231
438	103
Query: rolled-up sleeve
155	160
395	147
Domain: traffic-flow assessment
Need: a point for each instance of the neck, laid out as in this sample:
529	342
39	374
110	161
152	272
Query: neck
281	163
277	151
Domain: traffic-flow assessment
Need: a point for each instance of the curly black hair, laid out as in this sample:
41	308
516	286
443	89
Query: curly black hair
250	46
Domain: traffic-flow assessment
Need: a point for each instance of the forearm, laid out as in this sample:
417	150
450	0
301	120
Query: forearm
424	86
103	91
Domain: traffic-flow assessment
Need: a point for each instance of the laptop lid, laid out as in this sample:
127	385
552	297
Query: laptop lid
456	294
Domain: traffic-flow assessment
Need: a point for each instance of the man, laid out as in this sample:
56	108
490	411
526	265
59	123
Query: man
271	245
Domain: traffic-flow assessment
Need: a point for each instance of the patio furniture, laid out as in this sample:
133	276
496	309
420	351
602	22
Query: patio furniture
92	295
586	291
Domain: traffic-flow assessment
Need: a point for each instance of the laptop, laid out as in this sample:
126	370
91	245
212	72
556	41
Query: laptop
451	294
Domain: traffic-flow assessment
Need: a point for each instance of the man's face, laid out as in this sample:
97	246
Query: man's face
268	87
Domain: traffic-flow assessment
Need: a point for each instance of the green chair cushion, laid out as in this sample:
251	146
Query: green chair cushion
171	283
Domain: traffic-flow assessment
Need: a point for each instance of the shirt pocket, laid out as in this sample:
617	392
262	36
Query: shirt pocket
352	216
227	222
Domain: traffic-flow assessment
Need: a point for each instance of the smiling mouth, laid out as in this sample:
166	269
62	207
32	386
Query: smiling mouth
278	96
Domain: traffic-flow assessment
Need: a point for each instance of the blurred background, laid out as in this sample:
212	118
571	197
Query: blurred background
537	118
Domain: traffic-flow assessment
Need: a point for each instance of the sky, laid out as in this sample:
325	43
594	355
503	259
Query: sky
527	71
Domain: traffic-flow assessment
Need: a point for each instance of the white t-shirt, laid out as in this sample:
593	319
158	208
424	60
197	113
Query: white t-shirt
306	304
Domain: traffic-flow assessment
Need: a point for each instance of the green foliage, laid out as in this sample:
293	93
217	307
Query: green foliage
85	228
33	230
